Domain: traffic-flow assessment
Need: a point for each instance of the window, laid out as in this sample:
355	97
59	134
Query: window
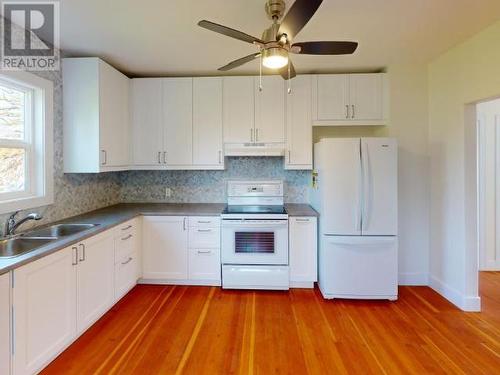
25	141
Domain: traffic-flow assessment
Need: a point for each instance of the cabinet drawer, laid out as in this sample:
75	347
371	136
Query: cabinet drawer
126	228
204	238
124	245
204	221
126	272
204	264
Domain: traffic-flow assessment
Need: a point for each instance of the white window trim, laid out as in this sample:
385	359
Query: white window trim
42	152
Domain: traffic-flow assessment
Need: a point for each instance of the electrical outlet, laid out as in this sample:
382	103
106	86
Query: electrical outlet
168	192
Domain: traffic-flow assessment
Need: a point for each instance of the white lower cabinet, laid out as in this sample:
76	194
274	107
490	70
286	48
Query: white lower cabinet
95	280
165	245
181	250
5	339
44	310
127	259
303	251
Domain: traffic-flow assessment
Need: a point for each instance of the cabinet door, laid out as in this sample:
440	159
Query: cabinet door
165	247
207	121
204	264
44	297
332	97
113	116
303	250
299	142
238	109
147	127
95	279
270	110
178	120
5	324
366	93
125	275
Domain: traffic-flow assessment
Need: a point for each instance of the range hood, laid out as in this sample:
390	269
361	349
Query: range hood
254	149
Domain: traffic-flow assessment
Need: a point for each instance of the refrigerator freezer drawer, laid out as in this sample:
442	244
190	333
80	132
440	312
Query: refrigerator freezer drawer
358	267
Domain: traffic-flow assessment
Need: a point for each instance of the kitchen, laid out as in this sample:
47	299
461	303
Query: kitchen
176	199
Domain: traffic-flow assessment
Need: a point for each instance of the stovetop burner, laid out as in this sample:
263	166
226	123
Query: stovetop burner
240	209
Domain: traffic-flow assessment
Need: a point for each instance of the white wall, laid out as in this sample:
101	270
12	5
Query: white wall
409	124
466	74
488	114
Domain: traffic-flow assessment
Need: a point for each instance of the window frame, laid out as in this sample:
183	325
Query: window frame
37	143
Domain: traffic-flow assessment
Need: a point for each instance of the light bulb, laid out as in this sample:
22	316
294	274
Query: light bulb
275	58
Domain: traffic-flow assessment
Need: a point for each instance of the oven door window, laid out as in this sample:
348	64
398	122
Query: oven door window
254	242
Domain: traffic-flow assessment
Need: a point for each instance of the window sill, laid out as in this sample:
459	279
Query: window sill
24	203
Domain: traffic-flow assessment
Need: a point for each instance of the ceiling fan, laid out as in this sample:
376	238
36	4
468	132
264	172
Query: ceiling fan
276	42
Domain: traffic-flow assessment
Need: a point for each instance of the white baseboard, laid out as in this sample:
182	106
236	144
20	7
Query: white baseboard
413	279
302	284
180	282
463	302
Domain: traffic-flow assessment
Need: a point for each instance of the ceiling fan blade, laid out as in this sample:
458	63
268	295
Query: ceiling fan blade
228	32
325	48
298	16
239	62
284	71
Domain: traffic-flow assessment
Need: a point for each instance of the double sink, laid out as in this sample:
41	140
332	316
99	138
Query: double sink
24	243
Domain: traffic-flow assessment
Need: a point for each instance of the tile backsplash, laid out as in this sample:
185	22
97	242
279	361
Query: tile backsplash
209	186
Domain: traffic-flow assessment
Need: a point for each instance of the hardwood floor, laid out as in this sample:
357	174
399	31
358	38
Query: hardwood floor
197	330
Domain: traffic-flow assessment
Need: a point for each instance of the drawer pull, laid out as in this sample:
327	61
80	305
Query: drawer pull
204	222
204	251
127	228
302	220
127	261
204	230
127	238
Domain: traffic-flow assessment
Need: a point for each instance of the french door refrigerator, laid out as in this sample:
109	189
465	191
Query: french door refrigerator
355	190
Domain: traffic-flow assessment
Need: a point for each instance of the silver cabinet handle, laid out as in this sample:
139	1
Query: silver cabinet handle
220	157
256	135
289	156
164	157
74	261
184	224
302	220
159	157
204	251
251	135
204	230
127	228
127	261
105	159
82	258
204	222
347	111
353	113
127	238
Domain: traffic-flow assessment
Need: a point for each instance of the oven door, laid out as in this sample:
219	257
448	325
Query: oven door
256	242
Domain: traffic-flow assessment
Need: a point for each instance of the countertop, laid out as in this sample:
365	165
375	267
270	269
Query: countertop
111	216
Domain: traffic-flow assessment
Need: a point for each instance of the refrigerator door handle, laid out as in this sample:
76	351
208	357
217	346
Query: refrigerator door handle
366	184
359	209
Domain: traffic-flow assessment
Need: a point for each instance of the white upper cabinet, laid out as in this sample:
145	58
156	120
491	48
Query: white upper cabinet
350	99
146	118
178	121
270	110
239	109
332	92
207	122
299	144
96	118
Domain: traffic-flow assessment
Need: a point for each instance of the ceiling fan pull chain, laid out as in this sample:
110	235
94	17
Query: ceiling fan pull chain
289	81
260	73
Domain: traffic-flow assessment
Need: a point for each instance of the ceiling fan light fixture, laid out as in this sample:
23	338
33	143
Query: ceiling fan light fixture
274	58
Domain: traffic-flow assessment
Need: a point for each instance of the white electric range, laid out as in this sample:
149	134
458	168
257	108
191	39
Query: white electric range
255	236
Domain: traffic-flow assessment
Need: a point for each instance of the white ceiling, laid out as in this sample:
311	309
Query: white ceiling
160	37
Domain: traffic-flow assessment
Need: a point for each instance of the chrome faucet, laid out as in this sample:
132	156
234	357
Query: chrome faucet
12	225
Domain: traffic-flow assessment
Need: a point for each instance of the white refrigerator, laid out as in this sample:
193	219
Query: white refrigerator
356	194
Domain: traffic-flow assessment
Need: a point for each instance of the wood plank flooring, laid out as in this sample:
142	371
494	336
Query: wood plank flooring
199	330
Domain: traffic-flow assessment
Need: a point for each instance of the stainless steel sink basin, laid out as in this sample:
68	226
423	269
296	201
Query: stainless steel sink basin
14	247
58	230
